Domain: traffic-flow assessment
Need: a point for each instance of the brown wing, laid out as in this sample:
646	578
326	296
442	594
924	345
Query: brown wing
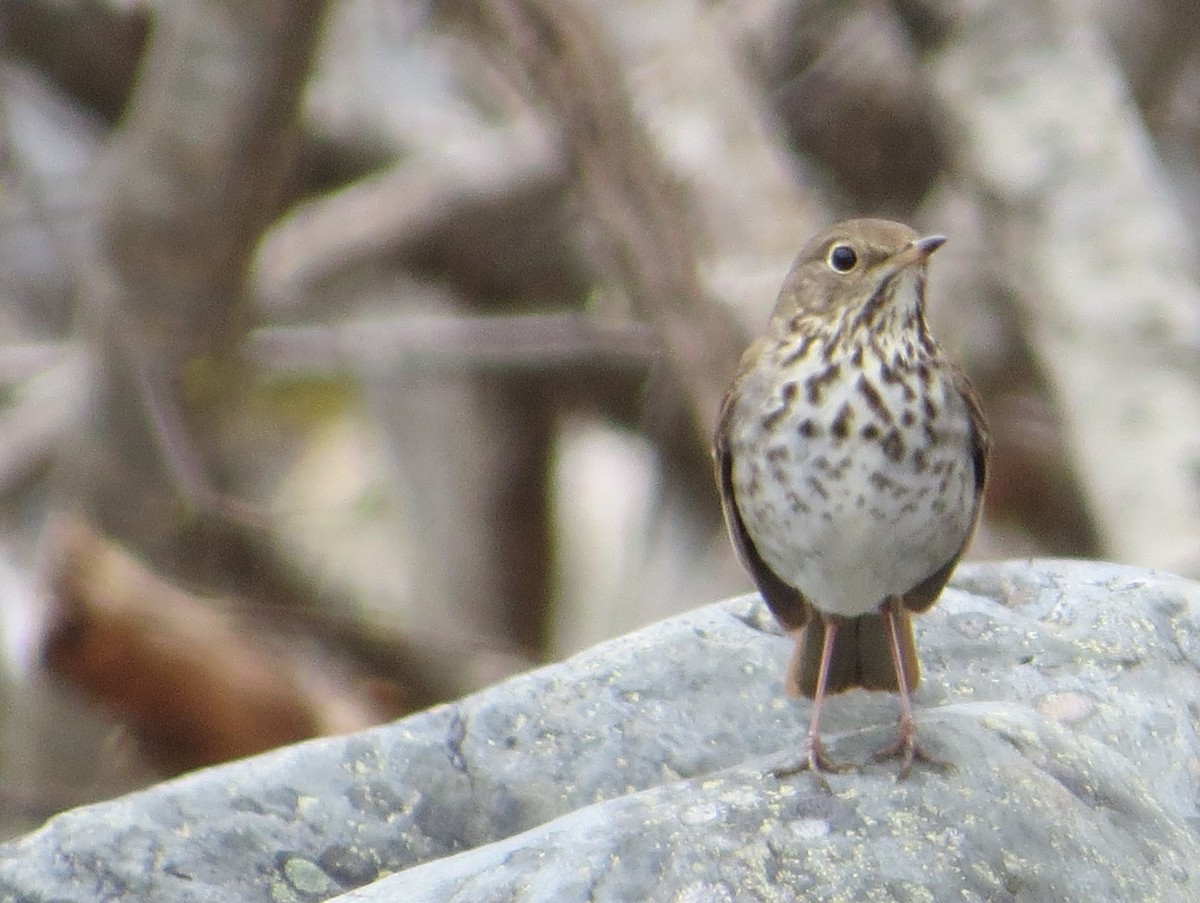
786	602
925	593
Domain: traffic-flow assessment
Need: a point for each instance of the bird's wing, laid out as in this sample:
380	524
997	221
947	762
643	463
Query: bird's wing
925	593
786	602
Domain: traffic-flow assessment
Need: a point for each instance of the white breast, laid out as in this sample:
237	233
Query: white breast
851	513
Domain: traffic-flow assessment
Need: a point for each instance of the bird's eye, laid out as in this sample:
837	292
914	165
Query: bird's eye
842	258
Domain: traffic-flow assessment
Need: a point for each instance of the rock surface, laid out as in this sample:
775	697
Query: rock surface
1062	693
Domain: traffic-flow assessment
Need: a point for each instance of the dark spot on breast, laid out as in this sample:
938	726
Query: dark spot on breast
773	418
778	453
788	392
874	399
834	342
919	461
925	338
870	432
816	384
880	481
923	374
820	462
796	503
841	423
754	486
798	353
893	377
856	358
818	487
908	418
893	446
884	483
874	304
932	436
930	408
808	429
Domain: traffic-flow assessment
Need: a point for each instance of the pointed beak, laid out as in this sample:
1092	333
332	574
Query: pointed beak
927	245
917	251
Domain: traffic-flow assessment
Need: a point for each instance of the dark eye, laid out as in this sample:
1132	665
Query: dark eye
842	258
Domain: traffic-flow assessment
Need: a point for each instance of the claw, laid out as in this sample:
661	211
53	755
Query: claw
908	751
814	761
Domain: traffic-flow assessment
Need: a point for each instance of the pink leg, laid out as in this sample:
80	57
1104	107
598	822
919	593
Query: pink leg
815	759
905	748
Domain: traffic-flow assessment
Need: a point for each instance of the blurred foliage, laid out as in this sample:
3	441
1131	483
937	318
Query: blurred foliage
401	326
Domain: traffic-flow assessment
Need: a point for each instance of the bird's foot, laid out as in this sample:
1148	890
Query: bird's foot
908	751
814	761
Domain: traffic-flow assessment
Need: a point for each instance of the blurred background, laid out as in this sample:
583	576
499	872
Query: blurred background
354	355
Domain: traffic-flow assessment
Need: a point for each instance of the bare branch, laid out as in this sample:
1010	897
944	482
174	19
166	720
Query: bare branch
401	206
649	239
412	341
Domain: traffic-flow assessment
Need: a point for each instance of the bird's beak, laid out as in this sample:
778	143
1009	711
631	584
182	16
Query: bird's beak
917	251
927	245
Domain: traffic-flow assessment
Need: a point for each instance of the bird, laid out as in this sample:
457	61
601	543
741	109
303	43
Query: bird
851	460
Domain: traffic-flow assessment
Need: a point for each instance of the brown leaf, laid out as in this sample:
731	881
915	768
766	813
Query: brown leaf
192	682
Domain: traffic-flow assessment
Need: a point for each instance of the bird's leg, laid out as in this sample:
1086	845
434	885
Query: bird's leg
905	748
815	759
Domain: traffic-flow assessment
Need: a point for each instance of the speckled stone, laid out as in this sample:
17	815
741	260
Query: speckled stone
1062	694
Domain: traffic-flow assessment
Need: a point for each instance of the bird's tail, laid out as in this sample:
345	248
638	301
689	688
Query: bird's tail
860	658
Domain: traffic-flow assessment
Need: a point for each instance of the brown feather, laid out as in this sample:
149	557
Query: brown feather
860	657
786	602
925	593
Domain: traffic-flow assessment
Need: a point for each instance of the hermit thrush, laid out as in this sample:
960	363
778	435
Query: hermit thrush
851	456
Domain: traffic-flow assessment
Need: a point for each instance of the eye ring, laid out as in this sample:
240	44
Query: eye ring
842	258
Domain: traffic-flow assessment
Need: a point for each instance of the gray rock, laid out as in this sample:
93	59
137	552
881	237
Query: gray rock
1062	694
